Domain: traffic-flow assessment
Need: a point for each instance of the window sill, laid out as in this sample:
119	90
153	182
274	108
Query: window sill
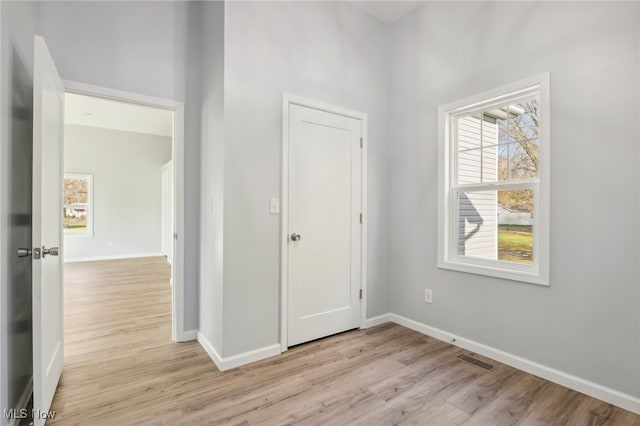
533	277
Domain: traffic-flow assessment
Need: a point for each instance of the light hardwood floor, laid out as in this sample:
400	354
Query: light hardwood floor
121	368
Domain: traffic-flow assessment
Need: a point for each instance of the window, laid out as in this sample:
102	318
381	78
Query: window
78	205
494	183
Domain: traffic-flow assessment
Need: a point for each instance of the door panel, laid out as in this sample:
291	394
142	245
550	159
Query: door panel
48	119
18	176
324	209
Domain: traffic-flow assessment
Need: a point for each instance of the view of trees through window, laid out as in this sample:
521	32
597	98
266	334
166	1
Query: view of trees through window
518	159
498	146
76	204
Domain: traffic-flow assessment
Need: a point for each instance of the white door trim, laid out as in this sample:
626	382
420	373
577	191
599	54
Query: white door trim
289	99
178	331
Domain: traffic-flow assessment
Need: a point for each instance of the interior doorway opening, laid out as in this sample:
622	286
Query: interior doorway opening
123	168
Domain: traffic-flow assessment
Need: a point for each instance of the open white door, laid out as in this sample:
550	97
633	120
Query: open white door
48	127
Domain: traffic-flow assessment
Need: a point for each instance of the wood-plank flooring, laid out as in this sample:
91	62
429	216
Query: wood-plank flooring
121	368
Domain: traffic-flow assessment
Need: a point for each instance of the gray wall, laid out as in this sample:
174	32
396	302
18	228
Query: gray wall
325	51
211	172
16	145
587	322
142	47
126	170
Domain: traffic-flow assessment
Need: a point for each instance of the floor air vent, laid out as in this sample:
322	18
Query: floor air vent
475	361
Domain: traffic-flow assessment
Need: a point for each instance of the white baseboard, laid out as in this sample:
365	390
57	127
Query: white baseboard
211	351
111	257
612	396
187	336
23	401
251	356
380	319
234	361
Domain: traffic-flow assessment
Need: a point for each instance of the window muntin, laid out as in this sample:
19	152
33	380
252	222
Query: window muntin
491	207
77	211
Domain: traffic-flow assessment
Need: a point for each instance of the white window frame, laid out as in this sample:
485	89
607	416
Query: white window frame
448	258
89	231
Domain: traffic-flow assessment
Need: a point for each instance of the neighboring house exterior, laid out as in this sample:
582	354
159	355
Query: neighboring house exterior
514	217
478	160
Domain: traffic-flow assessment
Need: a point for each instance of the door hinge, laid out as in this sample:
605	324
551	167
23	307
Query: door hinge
175	235
360	217
361	143
360	294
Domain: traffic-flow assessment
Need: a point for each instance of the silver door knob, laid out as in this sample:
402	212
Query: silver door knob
295	237
53	251
22	252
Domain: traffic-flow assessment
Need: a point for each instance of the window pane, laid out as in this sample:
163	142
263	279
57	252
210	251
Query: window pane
478	224
523	119
515	225
470	166
76	204
468	132
477	137
496	225
81	198
75	219
490	164
478	165
515	160
518	134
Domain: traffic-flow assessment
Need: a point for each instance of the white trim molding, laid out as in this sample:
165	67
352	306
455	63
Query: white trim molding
289	99
380	319
250	356
210	350
238	360
612	396
177	271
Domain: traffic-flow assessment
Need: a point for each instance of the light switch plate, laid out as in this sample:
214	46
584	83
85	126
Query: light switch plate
275	206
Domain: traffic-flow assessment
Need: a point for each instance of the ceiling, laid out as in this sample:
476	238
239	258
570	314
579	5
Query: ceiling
389	11
107	114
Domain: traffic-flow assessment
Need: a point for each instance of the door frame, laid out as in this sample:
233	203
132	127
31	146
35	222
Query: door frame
290	99
178	332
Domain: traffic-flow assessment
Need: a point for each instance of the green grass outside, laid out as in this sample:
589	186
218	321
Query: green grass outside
75	227
515	243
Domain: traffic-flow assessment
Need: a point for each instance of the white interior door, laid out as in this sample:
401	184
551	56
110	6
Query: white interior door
324	244
48	127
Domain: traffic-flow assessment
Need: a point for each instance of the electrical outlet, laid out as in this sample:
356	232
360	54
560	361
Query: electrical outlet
109	243
428	296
